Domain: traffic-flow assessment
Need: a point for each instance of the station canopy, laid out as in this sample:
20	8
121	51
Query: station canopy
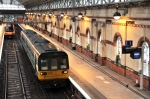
20	6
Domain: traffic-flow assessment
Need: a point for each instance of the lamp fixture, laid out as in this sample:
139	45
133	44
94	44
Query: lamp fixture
39	14
80	15
62	14
50	14
117	15
43	14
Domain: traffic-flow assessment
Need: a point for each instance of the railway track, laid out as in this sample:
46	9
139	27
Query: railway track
15	81
59	93
56	93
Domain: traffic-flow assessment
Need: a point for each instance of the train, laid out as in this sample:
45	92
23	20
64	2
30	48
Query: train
9	30
50	64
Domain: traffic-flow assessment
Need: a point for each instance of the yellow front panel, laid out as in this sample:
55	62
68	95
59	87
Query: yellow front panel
55	74
9	33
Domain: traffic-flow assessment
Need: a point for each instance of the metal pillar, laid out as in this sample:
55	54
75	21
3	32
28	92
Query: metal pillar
73	27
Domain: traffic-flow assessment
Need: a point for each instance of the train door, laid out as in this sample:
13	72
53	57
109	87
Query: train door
145	58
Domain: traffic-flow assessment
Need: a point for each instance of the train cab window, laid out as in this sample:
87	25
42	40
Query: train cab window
8	29
63	63
53	63
44	64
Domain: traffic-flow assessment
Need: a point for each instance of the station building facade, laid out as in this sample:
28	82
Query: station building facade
101	37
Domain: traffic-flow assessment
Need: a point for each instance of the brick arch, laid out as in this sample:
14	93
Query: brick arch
117	34
87	31
141	40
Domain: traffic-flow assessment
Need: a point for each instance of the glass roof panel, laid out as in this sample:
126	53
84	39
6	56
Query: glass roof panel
11	5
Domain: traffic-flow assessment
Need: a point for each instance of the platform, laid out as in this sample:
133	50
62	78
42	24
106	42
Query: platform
1	39
100	82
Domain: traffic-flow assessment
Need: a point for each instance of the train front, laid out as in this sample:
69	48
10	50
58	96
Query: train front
9	30
53	69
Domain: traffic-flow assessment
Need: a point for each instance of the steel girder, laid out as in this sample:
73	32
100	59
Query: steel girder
59	4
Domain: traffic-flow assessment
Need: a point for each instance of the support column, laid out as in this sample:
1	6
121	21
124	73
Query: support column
73	27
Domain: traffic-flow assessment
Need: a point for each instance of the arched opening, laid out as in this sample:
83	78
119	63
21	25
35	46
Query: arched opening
88	39
98	40
55	31
145	61
118	49
64	32
78	34
71	32
99	35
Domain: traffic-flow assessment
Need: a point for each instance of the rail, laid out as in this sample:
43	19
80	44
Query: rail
14	87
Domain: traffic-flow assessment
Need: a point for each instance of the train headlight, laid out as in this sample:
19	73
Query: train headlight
65	72
43	73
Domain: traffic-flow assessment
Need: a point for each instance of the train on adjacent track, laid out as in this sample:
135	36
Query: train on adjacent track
51	65
9	30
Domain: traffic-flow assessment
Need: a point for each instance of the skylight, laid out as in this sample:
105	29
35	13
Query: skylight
11	7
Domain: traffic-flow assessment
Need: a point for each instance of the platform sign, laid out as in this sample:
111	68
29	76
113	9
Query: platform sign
135	52
128	43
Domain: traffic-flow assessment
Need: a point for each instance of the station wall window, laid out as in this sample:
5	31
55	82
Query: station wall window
145	60
78	33
119	47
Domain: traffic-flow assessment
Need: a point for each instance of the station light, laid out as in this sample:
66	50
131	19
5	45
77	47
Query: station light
117	15
62	14
80	15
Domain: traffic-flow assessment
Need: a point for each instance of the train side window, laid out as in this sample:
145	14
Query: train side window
44	64
53	63
63	63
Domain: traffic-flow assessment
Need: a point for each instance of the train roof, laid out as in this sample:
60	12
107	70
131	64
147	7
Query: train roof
39	42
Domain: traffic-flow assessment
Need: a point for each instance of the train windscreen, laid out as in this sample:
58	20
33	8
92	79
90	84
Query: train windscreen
9	29
44	64
53	63
63	63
